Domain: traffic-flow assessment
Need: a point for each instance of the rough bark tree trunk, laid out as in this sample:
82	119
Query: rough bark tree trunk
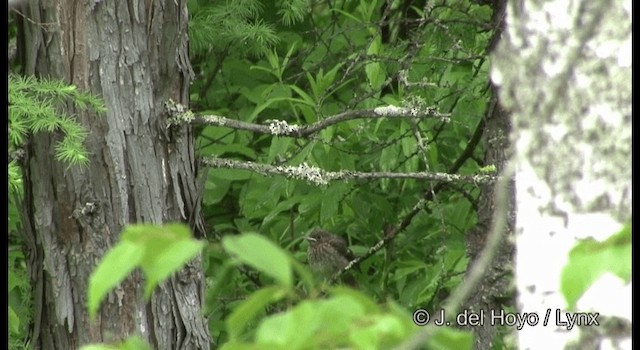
494	291
134	55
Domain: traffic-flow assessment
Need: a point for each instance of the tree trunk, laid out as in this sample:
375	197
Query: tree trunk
565	73
493	291
134	55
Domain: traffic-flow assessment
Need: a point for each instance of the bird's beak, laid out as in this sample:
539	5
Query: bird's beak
310	239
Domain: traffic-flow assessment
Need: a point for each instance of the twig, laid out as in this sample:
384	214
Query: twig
477	271
392	232
319	176
181	115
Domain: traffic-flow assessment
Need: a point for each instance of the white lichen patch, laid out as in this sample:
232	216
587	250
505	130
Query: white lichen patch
281	127
389	111
306	172
215	120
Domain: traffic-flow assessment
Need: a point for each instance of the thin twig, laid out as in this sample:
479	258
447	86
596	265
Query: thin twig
477	271
320	176
181	115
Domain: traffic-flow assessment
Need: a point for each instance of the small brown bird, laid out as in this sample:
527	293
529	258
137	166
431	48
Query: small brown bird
328	254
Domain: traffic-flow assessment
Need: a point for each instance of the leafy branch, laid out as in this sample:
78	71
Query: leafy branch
33	108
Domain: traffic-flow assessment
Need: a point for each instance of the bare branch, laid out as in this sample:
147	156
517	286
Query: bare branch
180	115
321	177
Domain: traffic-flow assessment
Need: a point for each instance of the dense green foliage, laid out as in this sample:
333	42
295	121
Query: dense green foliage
343	56
33	109
302	62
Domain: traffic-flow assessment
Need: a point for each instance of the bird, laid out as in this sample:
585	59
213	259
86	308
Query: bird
328	254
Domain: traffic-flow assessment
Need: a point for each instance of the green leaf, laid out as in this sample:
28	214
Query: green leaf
135	343
382	332
375	75
235	149
230	174
164	257
448	338
331	200
14	321
261	254
166	250
374	70
159	251
131	343
247	312
285	205
389	158
347	14
309	101
99	347
215	189
590	259
291	330
279	147
116	264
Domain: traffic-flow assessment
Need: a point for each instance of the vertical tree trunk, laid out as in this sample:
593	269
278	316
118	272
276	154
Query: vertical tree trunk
134	55
565	73
494	291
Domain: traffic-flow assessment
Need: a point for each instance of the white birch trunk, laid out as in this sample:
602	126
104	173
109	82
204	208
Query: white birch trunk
564	68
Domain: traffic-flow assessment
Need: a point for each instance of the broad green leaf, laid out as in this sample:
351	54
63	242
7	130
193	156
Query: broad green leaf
116	264
235	149
389	158
279	147
215	189
14	280
382	331
374	70
339	312
158	251
135	343
166	256
261	254
446	338
310	202
309	101
375	75
347	14
330	77
303	154
314	85
131	343
409	146
256	93
291	329
282	206
358	297
14	321
231	174
374	48
248	311
237	345
590	259
303	272
331	202
166	249
99	347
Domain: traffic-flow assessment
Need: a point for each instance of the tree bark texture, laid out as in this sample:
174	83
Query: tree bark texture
494	291
564	68
134	55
